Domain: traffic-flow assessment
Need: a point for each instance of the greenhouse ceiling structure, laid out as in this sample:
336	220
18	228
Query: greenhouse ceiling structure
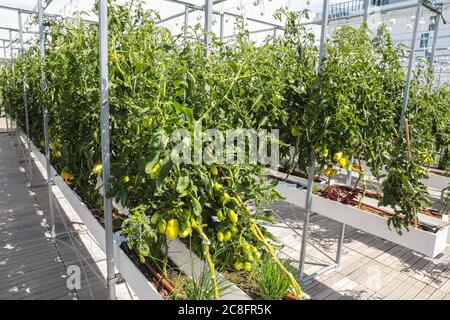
224	150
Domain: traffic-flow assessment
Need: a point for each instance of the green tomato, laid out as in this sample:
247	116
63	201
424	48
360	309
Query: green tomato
217	187
162	225
227	236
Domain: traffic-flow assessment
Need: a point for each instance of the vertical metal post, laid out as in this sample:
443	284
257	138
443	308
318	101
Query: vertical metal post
222	26
435	35
12	75
186	21
45	115
340	245
312	158
208	24
25	100
410	66
311	170
275	29
348	180
4	106
366	10
105	142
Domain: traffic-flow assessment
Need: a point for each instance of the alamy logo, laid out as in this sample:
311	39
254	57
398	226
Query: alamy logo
233	146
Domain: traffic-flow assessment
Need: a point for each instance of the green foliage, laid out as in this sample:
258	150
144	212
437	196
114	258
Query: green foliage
269	282
199	288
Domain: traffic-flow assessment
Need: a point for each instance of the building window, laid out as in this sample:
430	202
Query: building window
424	40
380	2
432	24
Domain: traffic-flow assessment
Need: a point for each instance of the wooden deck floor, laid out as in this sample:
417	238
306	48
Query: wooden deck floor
32	266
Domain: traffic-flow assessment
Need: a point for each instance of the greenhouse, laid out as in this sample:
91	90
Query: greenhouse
233	150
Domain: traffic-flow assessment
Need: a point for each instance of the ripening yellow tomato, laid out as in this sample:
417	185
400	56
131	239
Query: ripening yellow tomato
337	156
247	266
155	171
295	131
217	186
342	162
233	216
220	236
328	172
126	179
238	266
172	229
98	168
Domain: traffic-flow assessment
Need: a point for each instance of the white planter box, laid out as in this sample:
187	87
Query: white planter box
143	288
427	243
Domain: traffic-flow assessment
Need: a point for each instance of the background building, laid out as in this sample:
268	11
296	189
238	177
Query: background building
399	16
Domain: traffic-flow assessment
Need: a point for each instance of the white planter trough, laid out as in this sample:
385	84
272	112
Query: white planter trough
143	288
427	243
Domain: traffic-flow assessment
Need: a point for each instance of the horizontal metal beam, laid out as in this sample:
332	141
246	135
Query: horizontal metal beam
26	11
216	12
17	30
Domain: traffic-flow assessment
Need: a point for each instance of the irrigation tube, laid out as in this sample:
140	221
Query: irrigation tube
45	115
312	158
410	66
105	141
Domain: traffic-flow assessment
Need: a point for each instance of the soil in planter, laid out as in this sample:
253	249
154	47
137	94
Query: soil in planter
242	282
155	278
299	174
116	216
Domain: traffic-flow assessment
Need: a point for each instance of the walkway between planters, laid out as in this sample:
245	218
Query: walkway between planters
32	266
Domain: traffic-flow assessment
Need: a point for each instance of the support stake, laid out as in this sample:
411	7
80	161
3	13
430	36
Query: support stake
105	141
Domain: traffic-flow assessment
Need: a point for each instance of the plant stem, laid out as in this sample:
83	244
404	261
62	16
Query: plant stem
258	234
362	174
294	284
206	254
166	257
